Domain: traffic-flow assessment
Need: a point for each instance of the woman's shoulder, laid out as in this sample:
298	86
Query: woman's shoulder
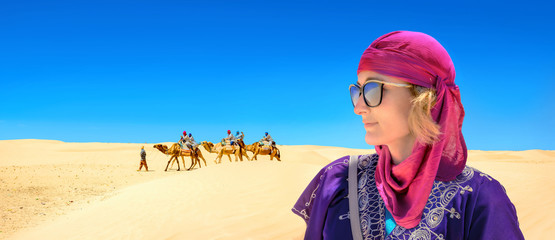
333	177
486	186
340	166
474	186
329	182
476	178
487	206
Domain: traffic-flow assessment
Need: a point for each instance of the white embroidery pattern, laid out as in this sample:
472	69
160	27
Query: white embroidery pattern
372	208
436	208
313	195
371	205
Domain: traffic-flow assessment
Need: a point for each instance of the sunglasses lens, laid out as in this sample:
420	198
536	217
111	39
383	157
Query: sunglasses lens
373	93
355	94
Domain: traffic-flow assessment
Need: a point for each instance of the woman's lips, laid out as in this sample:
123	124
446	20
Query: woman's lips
369	125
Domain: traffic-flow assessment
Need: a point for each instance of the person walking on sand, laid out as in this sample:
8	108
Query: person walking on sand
143	159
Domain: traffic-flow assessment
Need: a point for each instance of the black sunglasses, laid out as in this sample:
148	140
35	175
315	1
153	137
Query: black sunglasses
372	90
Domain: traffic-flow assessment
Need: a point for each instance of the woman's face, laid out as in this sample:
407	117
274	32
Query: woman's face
386	124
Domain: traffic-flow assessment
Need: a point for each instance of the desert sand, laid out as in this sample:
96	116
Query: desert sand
56	190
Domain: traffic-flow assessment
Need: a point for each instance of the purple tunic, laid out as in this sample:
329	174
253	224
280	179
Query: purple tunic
473	206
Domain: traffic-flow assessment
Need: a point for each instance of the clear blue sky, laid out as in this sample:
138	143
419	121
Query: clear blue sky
144	71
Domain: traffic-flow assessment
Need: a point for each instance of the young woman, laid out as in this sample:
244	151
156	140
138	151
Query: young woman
417	185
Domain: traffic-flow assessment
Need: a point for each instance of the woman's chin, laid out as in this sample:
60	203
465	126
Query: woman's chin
371	140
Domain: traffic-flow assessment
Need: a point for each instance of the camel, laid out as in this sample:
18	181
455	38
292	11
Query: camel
198	156
265	150
250	147
175	151
238	151
243	149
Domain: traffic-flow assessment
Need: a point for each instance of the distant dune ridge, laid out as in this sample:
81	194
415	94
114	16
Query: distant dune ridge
57	190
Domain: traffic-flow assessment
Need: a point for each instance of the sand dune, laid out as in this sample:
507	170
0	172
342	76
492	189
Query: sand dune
57	190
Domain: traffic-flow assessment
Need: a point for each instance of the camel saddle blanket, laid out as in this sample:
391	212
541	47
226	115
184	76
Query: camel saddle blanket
228	147
266	147
185	151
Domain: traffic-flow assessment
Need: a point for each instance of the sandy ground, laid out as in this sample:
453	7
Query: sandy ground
56	190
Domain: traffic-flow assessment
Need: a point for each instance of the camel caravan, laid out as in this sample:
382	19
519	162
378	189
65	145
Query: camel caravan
230	145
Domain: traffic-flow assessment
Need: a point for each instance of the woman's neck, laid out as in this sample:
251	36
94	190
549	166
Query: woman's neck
401	149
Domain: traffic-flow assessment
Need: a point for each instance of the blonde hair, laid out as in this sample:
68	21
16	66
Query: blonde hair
421	123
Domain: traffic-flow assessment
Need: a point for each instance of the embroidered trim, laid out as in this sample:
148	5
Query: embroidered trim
372	207
313	195
485	175
436	208
302	212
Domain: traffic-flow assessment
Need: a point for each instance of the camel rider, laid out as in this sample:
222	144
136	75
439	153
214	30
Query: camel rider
183	140
229	137
267	138
191	143
239	136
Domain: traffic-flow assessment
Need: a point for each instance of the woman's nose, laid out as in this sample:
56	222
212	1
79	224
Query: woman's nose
360	106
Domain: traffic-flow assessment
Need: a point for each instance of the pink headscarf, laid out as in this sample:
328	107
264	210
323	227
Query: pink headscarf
419	59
